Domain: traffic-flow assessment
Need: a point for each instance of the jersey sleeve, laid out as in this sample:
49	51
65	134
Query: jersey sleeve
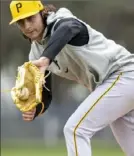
66	31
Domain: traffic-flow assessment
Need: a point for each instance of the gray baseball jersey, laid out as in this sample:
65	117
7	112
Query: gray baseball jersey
107	66
92	62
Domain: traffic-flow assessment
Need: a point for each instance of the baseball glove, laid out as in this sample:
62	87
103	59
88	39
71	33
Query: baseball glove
27	93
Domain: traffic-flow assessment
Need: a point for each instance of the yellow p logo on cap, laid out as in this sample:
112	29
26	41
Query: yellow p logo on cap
22	9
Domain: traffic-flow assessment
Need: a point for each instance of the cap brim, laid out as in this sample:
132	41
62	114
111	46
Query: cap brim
23	16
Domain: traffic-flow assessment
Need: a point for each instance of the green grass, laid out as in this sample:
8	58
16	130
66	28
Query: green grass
55	152
98	150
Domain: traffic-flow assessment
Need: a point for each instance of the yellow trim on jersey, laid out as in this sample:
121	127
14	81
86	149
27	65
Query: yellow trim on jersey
113	84
41	109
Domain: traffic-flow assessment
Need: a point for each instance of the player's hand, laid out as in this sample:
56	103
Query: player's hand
29	116
42	63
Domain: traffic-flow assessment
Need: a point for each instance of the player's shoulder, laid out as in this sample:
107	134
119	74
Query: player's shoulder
65	10
61	13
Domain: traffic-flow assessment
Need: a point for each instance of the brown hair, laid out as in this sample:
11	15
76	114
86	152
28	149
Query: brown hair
47	8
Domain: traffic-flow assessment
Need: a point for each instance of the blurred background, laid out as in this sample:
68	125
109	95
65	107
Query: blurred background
44	136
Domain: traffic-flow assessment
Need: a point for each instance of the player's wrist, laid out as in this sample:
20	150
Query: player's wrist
45	61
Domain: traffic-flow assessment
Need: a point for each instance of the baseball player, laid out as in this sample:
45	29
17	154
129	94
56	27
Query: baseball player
68	47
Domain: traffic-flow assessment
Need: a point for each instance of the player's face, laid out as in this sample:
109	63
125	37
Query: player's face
32	27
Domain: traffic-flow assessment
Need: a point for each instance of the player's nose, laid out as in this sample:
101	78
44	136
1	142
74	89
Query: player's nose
27	26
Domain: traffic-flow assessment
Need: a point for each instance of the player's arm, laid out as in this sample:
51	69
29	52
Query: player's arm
46	97
66	31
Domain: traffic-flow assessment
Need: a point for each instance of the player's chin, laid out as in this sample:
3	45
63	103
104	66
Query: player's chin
34	37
